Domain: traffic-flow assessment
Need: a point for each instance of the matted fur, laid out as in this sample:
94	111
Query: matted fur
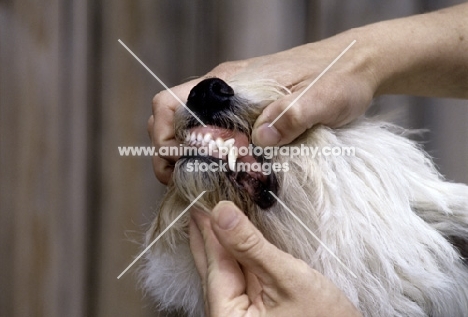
386	213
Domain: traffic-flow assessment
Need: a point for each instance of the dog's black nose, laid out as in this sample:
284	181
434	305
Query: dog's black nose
209	97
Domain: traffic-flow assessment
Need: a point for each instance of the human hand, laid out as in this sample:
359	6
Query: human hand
341	95
244	275
385	60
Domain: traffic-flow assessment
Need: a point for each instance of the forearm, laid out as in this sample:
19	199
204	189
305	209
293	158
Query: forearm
425	55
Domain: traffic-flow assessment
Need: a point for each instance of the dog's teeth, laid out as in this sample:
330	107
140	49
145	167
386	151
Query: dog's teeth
207	138
187	138
193	136
219	142
212	145
232	158
199	137
229	143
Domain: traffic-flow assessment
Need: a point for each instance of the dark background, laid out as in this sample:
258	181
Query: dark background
72	211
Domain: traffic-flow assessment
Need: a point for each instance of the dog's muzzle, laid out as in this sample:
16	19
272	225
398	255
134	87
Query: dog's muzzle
228	126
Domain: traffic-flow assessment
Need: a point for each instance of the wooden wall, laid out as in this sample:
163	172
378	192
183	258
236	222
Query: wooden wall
72	211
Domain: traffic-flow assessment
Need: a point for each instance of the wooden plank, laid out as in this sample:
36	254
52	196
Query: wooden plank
44	266
126	197
75	224
447	122
39	195
8	142
255	28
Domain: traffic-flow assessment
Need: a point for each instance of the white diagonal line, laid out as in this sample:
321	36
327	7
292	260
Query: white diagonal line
310	231
312	83
160	235
161	82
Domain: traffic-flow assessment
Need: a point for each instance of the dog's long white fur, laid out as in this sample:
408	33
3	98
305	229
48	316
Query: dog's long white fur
386	213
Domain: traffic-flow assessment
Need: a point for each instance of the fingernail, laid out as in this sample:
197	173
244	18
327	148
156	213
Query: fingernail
228	218
267	136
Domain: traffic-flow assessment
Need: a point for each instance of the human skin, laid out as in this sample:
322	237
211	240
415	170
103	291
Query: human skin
424	55
244	275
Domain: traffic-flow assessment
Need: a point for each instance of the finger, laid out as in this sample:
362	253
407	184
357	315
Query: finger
162	130
331	102
225	281
253	286
299	116
248	246
163	167
150	128
164	107
197	246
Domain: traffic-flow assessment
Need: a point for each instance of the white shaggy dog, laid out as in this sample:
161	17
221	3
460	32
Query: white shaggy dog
385	212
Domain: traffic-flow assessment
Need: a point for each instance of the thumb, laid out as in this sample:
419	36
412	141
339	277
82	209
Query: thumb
288	118
247	244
